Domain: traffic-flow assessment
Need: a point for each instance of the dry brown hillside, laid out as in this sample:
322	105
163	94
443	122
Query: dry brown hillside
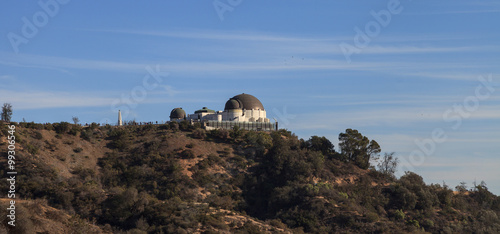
35	216
180	178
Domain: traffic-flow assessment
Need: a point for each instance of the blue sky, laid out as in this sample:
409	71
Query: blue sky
417	71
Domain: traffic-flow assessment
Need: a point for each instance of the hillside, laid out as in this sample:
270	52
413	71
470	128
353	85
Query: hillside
177	178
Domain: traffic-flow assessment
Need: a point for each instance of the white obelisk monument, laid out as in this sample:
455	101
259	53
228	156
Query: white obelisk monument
120	122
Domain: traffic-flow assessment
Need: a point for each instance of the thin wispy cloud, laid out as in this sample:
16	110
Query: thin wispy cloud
483	11
64	64
389	116
217	35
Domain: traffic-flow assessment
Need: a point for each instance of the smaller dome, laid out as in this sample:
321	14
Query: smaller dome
204	110
177	113
232	104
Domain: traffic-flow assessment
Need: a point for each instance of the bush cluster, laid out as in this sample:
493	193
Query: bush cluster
141	185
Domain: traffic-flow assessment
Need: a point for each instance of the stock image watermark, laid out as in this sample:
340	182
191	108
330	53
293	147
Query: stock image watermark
454	115
283	117
129	101
223	6
372	29
32	25
11	175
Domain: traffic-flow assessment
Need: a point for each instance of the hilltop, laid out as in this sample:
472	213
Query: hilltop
178	178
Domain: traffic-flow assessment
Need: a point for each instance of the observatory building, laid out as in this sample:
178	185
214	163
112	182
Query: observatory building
243	110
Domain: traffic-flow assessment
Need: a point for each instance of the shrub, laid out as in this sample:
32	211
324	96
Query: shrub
48	126
174	126
119	139
427	224
249	227
78	150
199	133
413	223
371	217
86	134
37	135
344	195
223	134
399	215
236	132
62	127
187	154
32	148
75	130
184	125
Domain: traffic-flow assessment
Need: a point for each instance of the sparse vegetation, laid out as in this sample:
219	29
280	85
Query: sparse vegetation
77	150
6	114
155	179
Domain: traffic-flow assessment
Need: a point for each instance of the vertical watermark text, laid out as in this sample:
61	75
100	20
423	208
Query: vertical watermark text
11	175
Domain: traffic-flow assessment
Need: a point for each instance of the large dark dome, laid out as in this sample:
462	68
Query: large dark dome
177	113
244	101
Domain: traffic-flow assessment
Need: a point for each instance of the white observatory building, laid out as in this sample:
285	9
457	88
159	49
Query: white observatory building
243	110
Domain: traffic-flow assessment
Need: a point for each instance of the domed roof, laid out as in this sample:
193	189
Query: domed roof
177	113
204	110
244	101
233	104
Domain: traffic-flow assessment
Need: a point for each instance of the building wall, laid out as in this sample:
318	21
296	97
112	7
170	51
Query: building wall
256	126
232	115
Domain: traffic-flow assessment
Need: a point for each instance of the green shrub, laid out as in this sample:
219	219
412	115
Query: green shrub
413	223
75	129
427	224
62	127
32	148
119	139
399	215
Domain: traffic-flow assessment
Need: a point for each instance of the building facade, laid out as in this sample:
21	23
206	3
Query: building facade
243	110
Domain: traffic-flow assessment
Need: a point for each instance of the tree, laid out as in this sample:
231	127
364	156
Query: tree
76	120
357	148
462	187
388	165
321	144
6	112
